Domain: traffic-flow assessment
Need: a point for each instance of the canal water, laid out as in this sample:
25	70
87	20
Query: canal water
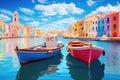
60	67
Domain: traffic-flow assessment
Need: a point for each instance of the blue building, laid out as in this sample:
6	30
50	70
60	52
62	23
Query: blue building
101	25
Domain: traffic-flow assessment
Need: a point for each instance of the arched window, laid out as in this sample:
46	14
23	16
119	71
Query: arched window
15	19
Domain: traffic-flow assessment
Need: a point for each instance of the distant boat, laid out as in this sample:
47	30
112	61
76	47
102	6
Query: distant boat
78	70
84	51
51	48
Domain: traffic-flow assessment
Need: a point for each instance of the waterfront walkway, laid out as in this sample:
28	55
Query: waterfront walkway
82	38
97	38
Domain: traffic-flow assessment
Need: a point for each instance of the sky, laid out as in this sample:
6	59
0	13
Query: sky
54	14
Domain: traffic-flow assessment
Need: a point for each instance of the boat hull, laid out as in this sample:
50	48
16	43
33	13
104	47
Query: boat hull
27	57
84	55
84	51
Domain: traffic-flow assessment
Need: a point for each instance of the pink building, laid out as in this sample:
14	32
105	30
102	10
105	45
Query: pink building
108	25
8	31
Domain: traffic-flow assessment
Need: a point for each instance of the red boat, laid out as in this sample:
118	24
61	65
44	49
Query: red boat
84	51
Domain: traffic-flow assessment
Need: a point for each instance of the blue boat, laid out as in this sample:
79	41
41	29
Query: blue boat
36	70
49	49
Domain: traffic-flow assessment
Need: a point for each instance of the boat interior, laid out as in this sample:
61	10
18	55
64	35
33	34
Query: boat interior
78	44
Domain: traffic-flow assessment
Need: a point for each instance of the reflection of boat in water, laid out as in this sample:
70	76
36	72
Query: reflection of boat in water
34	70
80	71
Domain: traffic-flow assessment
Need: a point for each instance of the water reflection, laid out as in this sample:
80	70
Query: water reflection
10	45
80	71
2	49
113	55
34	70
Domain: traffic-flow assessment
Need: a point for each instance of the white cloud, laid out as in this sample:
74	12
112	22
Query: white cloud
44	19
58	25
90	2
3	11
26	18
33	1
42	1
4	18
106	9
27	11
34	23
59	9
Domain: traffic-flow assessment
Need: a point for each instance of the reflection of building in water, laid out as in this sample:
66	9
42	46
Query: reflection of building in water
80	71
37	69
113	55
10	45
26	42
2	49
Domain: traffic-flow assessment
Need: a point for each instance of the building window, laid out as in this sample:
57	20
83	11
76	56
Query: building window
114	18
15	19
97	28
93	29
82	28
114	27
96	22
108	27
102	27
80	24
108	20
99	22
75	29
103	21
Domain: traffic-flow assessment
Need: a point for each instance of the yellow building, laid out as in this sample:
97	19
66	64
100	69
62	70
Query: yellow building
37	32
87	23
27	31
2	28
90	26
78	28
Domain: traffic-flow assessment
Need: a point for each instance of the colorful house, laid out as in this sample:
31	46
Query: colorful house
32	33
20	32
2	28
15	32
87	23
37	32
115	24
101	25
26	31
8	31
16	25
108	24
93	26
78	28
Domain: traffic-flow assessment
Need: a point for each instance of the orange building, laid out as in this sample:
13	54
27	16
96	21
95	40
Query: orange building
38	32
2	28
78	28
115	26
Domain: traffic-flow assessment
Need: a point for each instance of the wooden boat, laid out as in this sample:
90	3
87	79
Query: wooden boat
51	48
84	51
